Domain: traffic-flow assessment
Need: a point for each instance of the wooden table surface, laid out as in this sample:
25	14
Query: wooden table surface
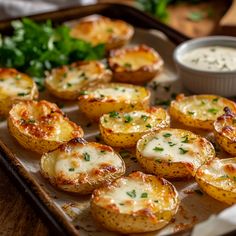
17	217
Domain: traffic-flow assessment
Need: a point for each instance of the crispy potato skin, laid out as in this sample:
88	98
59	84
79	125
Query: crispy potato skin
7	102
170	169
145	220
93	68
85	182
94	108
224	131
112	33
37	141
209	186
141	75
187	120
116	138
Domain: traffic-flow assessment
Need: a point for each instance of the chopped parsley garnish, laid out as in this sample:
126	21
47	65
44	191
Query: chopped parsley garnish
203	103
114	114
224	176
132	194
64	75
171	144
86	156
234	178
158	149
215	100
144	117
185	139
127	65
84	92
148	126
213	111
69	84
182	150
191	112
22	94
158	161
124	153
198	191
105	120
71	169
109	30
103	151
156	201
144	195
122	204
167	135
31	121
128	118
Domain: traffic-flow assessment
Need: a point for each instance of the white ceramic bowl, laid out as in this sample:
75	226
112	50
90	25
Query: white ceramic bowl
206	82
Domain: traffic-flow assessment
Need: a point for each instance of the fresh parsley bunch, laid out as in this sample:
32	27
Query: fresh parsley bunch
34	48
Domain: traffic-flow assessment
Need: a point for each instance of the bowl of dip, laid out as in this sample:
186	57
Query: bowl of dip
208	65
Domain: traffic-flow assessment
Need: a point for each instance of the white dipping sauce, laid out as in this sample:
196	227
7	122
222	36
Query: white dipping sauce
213	58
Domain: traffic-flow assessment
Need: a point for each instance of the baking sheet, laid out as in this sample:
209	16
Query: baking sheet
195	205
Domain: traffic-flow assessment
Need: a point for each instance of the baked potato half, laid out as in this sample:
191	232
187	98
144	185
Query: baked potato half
67	82
135	204
136	65
173	153
103	30
199	111
41	126
15	86
80	167
218	179
225	131
105	98
126	128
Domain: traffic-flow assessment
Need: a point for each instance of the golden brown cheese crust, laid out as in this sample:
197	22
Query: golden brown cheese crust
41	126
79	166
113	33
218	179
67	82
134	204
137	65
199	111
14	87
125	129
105	98
225	131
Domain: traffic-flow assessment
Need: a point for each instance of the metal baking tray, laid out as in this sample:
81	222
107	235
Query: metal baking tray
68	214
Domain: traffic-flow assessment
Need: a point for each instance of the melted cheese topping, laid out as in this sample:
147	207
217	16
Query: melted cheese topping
220	173
44	120
15	86
134	60
131	195
174	145
102	30
136	121
88	160
75	77
119	92
226	125
203	107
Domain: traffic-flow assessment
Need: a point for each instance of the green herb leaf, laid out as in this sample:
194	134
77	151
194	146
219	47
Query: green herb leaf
171	144
71	169
167	135
144	195
148	126
86	156
190	112
182	150
213	111
128	65
215	100
132	194
114	114
83	92
22	94
158	149
128	118
185	139
144	117
195	16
